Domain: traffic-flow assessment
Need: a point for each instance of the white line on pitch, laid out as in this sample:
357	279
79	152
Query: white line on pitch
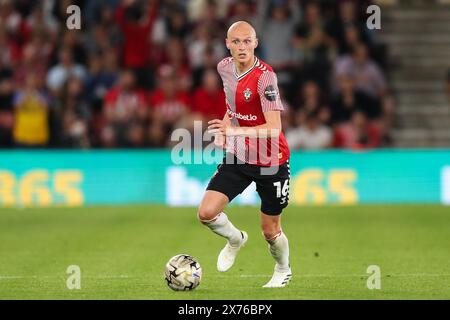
50	277
341	275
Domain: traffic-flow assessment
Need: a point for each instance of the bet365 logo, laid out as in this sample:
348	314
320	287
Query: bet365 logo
42	188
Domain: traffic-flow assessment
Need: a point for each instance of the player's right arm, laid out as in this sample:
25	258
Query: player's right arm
271	106
219	137
226	119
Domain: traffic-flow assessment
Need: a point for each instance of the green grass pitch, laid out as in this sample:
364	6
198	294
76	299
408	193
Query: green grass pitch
122	252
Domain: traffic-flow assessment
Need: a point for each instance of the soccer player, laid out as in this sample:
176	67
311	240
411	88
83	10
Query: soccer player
256	150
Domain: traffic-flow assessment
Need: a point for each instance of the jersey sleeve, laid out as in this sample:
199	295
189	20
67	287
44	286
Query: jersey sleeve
223	64
269	93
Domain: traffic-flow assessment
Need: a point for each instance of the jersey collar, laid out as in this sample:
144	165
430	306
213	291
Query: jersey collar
246	72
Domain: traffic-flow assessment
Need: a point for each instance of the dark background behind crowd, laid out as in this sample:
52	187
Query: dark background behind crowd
137	70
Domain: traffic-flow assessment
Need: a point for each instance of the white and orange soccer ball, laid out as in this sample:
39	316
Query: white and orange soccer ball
183	273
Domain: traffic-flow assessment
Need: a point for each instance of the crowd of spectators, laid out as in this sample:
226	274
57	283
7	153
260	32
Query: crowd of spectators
139	69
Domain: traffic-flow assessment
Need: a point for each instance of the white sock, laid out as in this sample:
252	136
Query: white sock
279	249
223	227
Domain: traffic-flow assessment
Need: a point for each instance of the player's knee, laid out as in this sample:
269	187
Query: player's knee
270	232
206	214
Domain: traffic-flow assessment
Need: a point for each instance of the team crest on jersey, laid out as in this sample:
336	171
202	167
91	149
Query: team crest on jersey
247	94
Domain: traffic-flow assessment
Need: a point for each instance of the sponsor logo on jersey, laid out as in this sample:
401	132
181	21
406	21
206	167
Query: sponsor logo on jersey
245	117
247	94
270	93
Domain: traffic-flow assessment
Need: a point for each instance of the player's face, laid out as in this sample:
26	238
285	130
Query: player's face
242	45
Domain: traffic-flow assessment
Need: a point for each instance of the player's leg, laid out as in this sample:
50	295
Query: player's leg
211	214
278	248
225	185
274	194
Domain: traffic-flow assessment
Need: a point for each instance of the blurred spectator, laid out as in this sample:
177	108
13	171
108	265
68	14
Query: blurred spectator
313	44
125	111
74	112
243	10
311	136
31	108
39	20
177	59
311	100
358	133
105	34
43	46
288	114
386	120
103	74
100	82
201	42
209	61
367	74
169	104
10	18
351	38
197	9
99	40
25	7
276	31
99	10
32	62
10	51
210	13
209	100
348	100
447	87
348	26
66	68
177	24
287	121
6	106
136	22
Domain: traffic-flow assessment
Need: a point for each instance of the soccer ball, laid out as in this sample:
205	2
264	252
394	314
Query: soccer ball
183	273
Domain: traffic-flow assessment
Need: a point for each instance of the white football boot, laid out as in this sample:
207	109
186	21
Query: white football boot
229	253
279	279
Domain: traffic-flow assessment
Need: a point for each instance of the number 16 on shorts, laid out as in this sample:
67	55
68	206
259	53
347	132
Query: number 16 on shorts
282	191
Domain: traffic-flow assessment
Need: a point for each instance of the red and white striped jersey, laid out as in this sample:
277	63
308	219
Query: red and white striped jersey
248	96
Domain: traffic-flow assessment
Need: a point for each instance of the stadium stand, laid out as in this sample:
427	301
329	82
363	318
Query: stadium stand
138	69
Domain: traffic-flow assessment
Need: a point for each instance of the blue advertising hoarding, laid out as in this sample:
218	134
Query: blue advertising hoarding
76	178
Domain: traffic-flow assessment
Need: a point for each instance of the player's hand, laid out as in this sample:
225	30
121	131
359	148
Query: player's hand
219	140
217	126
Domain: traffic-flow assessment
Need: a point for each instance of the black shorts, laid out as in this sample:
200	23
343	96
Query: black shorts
272	184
